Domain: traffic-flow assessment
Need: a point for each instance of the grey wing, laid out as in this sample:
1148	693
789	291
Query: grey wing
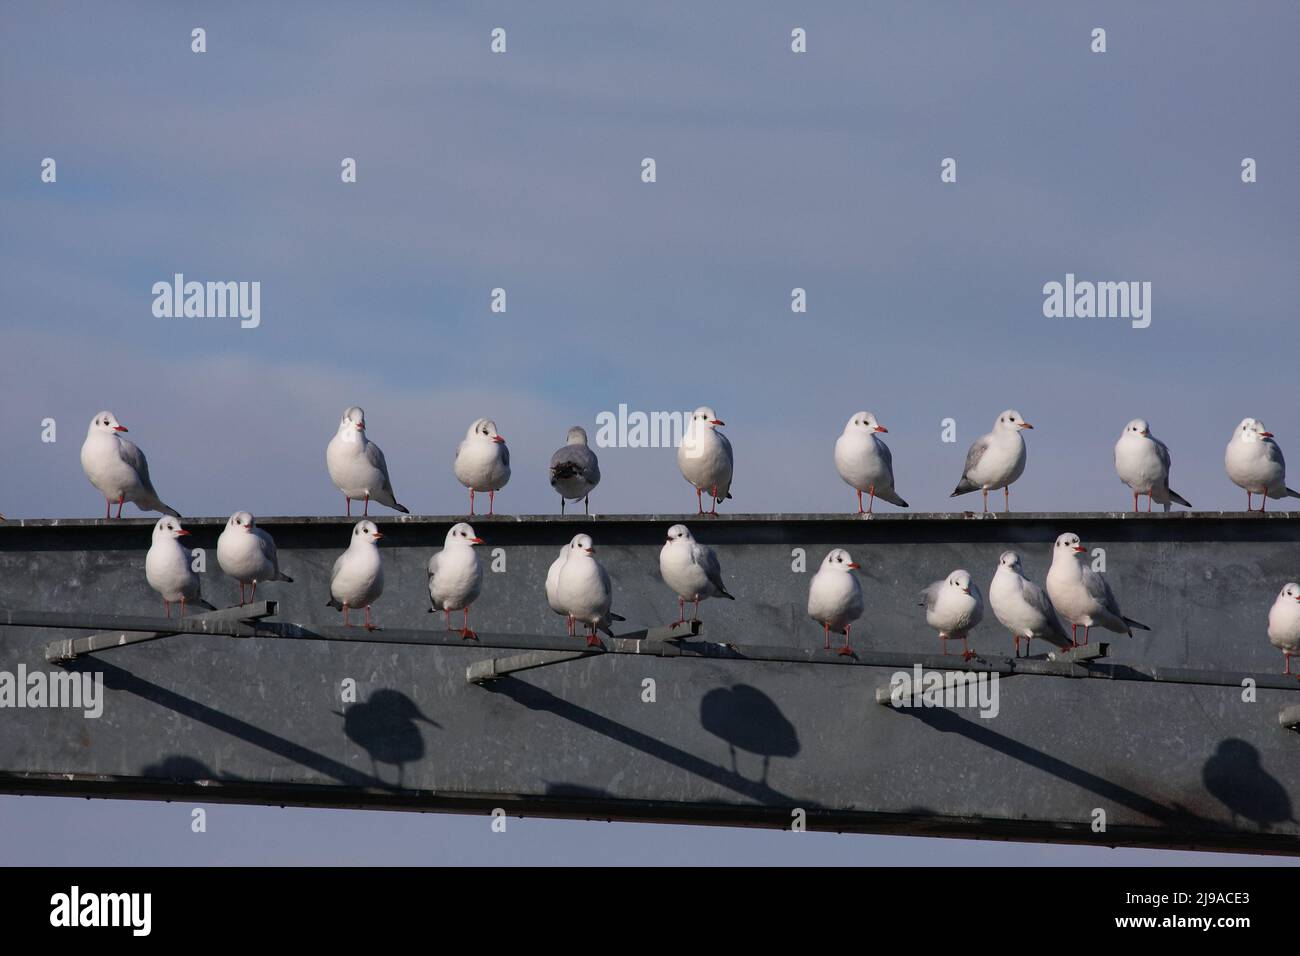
973	456
574	461
886	456
1162	452
1274	452
376	458
133	456
268	547
930	594
433	564
707	560
726	450
338	563
1037	598
1099	590
505	455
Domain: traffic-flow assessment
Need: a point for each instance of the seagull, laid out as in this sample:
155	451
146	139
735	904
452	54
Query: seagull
455	577
1081	595
553	587
357	466
483	461
358	576
574	469
1254	462
705	458
865	462
835	597
117	467
584	590
691	569
167	567
996	459
953	607
1142	461
1022	606
247	554
1284	622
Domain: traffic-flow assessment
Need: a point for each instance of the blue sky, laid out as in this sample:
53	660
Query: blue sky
521	171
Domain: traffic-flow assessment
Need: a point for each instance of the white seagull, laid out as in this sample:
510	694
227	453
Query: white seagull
167	567
553	587
455	577
574	469
483	461
357	466
705	458
358	576
584	589
1254	462
865	462
691	569
247	554
1081	595
835	597
1142	462
117	467
995	460
953	607
1284	622
1022	606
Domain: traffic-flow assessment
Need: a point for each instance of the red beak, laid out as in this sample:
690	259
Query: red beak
1265	434
881	428
716	422
853	565
499	439
589	550
119	428
182	531
477	541
1080	550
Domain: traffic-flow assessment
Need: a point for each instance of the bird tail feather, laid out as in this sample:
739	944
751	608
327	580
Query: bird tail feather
1176	497
284	577
616	617
892	497
963	487
1132	624
334	603
1292	493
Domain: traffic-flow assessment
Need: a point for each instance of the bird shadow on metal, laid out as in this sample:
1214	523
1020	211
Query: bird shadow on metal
1235	777
748	720
387	726
946	721
117	678
535	698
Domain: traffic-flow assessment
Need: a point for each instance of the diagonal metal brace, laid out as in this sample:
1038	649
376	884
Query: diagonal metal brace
662	641
227	621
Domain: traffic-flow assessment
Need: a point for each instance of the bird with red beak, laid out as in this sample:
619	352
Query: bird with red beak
483	462
117	467
456	577
995	460
169	569
1081	595
1254	462
584	589
1284	622
357	579
705	458
954	607
835	597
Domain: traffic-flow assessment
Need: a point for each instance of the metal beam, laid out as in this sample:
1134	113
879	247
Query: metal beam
132	630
